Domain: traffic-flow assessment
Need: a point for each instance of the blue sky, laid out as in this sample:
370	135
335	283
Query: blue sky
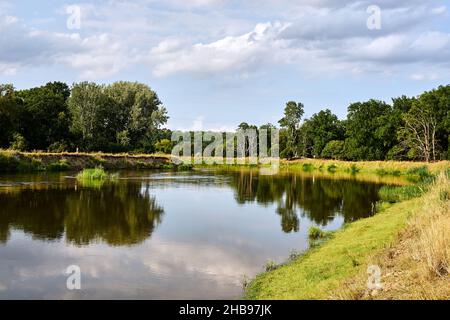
216	63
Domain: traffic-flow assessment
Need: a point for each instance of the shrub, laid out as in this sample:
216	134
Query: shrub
18	143
58	147
164	146
422	173
333	150
315	233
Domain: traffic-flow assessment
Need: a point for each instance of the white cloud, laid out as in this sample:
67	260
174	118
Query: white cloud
321	39
179	37
230	54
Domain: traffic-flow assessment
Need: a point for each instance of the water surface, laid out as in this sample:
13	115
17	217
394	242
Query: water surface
157	235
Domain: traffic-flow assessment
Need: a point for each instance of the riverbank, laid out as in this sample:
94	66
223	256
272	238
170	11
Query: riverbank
408	241
12	161
381	168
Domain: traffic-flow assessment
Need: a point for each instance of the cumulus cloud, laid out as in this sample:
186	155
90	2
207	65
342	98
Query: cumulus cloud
95	56
233	54
178	37
320	39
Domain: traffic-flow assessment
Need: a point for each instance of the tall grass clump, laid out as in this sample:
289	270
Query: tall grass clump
97	173
420	174
315	233
393	194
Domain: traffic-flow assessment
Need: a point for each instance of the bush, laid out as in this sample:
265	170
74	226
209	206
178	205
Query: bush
18	143
333	150
164	146
58	147
421	172
316	233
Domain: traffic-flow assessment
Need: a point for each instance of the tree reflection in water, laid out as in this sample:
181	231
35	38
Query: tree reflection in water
118	214
320	200
125	213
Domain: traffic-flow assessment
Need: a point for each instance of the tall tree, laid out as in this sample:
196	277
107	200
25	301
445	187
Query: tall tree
293	113
45	117
369	131
121	116
419	131
9	114
317	131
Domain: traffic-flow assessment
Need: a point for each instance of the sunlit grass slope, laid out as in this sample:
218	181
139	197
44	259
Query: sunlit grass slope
338	268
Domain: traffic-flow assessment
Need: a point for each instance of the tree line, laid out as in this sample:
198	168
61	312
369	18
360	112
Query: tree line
410	128
128	116
123	116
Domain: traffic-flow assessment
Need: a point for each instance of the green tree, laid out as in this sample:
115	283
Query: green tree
334	150
121	116
139	110
45	118
293	113
164	146
437	101
400	106
317	131
419	133
92	115
369	131
9	114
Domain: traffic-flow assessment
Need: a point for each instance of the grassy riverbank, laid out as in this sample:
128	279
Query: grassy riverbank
381	168
408	240
12	161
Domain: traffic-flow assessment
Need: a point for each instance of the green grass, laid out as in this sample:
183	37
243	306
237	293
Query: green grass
93	174
95	178
324	268
315	233
394	194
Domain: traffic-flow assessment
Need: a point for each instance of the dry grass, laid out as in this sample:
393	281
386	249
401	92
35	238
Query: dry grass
14	161
370	166
433	229
417	264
